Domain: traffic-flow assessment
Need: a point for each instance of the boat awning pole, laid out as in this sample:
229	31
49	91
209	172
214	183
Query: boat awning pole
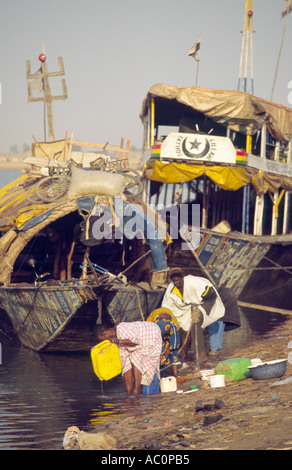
152	121
246	194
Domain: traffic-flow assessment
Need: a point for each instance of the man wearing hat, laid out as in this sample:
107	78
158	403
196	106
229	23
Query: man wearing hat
187	295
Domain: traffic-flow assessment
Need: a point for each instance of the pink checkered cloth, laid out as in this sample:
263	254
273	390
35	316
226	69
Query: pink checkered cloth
146	355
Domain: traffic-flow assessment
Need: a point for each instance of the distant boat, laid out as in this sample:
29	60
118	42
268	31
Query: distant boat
229	153
70	258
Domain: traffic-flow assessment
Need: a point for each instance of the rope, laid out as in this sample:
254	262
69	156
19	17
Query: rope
186	338
21	324
195	320
139	303
285	268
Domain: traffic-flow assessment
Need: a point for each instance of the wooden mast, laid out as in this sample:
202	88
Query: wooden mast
39	82
286	10
246	84
245	74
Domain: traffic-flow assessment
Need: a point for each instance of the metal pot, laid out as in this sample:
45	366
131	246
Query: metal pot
268	370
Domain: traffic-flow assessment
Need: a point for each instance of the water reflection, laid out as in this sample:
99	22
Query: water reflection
103	413
254	325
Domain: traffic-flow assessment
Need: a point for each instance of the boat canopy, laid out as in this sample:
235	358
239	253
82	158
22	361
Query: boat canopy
238	111
226	177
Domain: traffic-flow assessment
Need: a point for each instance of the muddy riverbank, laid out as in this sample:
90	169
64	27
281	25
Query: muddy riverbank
245	415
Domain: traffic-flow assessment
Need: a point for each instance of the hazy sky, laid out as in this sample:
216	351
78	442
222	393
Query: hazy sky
115	50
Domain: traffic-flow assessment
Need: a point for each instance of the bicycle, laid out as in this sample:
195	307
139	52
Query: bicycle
132	177
54	187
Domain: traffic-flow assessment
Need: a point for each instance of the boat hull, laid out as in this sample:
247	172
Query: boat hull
271	282
230	260
62	318
255	268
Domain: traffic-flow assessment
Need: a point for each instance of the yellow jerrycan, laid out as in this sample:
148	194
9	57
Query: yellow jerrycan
106	360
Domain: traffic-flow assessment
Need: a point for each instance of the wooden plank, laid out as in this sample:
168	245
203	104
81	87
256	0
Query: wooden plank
121	148
264	307
42	161
113	148
126	163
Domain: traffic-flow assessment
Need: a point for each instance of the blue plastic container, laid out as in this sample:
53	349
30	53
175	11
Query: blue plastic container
153	388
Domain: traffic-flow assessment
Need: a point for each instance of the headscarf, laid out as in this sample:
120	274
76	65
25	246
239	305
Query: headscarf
157	312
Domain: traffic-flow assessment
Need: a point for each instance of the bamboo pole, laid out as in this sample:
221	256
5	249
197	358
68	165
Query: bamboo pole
122	146
126	162
264	307
70	146
65	147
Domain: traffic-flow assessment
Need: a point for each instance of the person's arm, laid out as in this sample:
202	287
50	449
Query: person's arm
123	342
209	294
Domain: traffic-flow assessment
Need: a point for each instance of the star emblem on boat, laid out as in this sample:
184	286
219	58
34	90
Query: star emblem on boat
195	144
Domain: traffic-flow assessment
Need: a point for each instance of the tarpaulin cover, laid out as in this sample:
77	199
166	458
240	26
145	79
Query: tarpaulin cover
240	112
18	213
228	178
225	177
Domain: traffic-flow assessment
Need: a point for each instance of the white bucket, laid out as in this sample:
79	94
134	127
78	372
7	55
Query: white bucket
216	381
205	374
168	384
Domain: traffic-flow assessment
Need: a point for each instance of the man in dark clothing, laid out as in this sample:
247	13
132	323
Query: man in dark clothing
229	321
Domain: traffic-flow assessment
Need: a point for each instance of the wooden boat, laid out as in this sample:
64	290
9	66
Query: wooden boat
227	153
59	277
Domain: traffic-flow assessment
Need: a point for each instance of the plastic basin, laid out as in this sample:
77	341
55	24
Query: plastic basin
269	370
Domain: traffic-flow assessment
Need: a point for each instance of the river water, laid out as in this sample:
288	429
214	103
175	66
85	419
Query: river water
41	395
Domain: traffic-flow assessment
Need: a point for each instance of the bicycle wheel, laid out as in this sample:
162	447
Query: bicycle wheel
31	195
52	188
132	180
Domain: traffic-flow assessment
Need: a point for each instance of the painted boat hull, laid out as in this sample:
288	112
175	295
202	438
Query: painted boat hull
230	260
255	268
62	318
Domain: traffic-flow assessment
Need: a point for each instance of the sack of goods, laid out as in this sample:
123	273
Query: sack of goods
97	182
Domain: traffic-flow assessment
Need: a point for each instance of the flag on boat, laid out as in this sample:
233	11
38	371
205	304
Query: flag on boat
195	50
36	83
287	8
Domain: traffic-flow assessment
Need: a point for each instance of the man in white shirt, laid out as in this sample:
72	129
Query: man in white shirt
186	292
